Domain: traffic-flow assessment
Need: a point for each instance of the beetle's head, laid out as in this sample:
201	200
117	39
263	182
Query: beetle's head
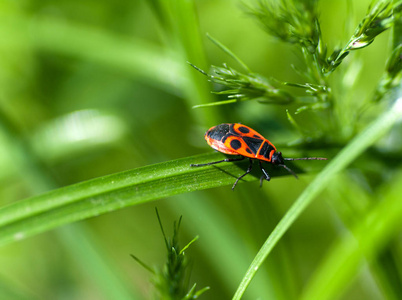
277	159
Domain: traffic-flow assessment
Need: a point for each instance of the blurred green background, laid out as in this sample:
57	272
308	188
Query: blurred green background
90	88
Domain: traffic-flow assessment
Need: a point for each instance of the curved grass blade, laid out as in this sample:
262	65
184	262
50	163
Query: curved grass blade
106	194
367	240
358	145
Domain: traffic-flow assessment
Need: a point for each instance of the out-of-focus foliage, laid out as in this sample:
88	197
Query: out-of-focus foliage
171	281
97	87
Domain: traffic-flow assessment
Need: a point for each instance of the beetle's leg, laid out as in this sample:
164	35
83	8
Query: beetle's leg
217	162
261	179
247	171
265	176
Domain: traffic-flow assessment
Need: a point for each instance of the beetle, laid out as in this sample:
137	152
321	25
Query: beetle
239	139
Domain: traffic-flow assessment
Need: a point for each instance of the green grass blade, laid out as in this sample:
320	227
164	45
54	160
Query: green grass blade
105	194
223	102
368	237
349	153
90	258
229	52
216	238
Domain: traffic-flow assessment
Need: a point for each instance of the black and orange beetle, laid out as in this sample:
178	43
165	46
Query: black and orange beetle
238	139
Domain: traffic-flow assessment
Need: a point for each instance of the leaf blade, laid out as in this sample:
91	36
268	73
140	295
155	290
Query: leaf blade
112	192
361	142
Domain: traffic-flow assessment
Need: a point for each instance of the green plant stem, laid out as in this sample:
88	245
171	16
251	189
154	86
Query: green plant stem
349	153
397	30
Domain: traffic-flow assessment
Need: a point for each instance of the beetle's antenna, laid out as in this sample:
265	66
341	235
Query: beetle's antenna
307	158
289	170
301	158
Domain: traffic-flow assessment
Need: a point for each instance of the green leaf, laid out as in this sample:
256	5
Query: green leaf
105	194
